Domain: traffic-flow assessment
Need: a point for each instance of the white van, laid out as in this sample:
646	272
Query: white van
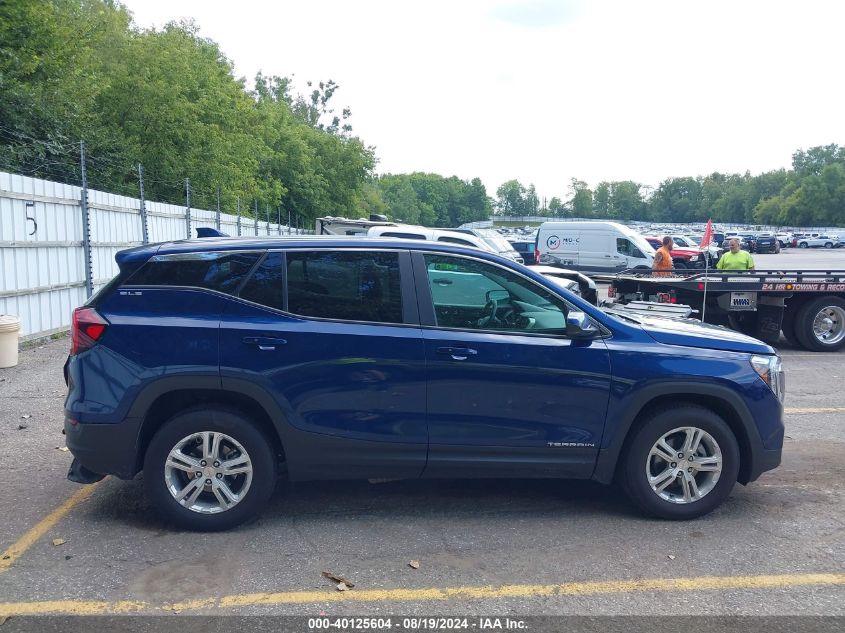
412	232
599	247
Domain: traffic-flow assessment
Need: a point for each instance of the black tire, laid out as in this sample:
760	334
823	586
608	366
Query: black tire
803	245
633	474
679	265
828	244
216	419
804	324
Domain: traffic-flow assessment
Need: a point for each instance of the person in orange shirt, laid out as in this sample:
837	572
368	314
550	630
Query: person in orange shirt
662	266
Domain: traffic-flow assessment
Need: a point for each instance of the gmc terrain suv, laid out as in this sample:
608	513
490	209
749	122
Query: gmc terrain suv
217	365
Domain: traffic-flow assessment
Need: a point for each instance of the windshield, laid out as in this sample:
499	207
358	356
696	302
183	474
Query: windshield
493	239
641	243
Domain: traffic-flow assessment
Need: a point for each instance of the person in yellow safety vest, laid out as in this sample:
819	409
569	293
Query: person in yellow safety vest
662	266
735	259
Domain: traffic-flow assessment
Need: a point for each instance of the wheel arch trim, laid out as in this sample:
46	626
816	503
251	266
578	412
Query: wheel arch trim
722	400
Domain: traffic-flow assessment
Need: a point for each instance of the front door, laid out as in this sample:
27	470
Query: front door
509	395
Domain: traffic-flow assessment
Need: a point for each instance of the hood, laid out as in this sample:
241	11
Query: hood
694	333
684	252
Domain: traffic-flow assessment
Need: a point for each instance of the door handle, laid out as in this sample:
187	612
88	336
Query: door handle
457	353
264	343
442	282
607	255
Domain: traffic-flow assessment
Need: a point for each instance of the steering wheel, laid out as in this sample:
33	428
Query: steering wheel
489	317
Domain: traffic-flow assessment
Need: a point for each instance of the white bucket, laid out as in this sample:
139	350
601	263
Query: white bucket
9	327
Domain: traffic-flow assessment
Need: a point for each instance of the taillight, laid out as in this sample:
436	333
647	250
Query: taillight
537	255
87	328
611	292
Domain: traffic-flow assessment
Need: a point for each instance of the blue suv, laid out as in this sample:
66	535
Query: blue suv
218	365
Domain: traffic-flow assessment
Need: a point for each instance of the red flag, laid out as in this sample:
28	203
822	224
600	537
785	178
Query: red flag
708	236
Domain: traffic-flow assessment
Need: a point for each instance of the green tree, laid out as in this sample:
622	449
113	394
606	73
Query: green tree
582	199
511	198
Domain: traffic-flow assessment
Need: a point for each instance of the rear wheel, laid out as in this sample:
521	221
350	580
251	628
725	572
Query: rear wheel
820	324
681	464
209	469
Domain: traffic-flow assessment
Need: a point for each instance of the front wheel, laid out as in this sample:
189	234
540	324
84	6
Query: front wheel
803	245
209	469
828	244
681	464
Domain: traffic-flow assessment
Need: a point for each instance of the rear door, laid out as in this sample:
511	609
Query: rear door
508	393
332	336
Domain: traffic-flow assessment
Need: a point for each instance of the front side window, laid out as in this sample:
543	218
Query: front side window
625	247
349	286
473	295
220	271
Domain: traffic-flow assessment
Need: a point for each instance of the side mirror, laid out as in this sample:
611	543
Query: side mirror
579	326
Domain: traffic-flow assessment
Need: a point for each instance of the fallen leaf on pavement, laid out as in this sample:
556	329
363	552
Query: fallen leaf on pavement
62	448
25	416
58	541
336	578
414	564
671	557
21	427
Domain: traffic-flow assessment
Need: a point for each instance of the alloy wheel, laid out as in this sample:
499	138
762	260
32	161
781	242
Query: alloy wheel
684	465
208	472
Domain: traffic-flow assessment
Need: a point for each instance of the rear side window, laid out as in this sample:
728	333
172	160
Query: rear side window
349	286
216	271
266	286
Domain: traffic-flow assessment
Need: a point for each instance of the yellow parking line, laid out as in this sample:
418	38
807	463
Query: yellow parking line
15	550
88	607
799	410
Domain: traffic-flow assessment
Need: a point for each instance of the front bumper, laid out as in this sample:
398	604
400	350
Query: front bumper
105	449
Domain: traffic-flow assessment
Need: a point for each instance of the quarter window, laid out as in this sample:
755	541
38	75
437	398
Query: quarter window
473	295
349	286
223	272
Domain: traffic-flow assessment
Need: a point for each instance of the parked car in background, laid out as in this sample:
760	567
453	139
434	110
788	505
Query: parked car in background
594	246
713	250
743	243
412	232
495	240
819	241
767	243
526	250
681	257
217	366
784	239
751	241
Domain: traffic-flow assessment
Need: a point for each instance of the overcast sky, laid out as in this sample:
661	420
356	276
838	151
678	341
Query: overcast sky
545	91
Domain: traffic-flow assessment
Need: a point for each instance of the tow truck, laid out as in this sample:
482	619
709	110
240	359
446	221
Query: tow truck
807	306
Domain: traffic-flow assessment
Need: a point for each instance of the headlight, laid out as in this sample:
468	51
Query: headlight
694	258
770	370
